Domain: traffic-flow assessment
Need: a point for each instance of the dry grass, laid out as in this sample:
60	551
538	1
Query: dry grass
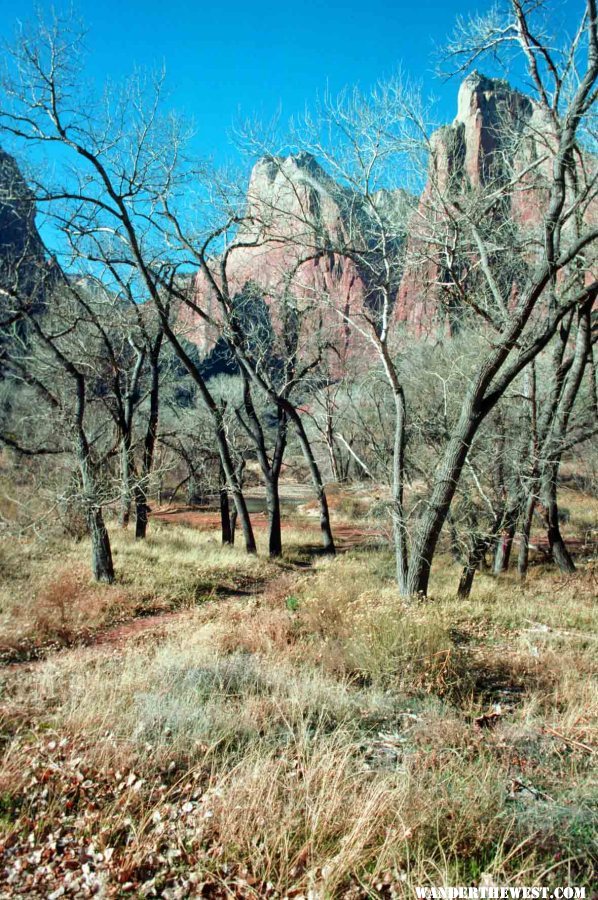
47	597
317	735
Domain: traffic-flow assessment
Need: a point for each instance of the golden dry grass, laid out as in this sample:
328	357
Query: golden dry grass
317	735
47	597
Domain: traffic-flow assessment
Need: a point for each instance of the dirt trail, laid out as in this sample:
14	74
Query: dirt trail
110	638
347	537
154	624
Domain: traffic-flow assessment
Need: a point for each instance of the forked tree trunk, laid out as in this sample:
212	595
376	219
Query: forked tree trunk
287	408
243	517
446	478
583	345
235	487
427	531
220	431
270	467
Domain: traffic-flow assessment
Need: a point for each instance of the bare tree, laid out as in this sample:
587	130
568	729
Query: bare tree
278	362
50	361
514	285
126	158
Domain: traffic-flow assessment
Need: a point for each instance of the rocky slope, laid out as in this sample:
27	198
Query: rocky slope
22	257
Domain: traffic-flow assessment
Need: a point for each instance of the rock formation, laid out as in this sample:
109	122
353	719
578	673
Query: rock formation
476	151
296	210
23	265
21	250
296	214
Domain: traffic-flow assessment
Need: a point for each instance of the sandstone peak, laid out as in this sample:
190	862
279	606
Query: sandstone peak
488	96
294	197
280	177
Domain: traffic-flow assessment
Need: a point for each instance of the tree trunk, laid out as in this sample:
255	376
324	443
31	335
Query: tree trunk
398	475
466	581
235	490
330	444
455	548
101	553
526	527
193	494
557	434
467	576
225	519
125	509
558	548
125	496
316	477
233	524
446	478
234	516
141	515
504	547
149	444
102	566
274	530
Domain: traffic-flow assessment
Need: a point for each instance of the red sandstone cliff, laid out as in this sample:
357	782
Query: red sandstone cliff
295	210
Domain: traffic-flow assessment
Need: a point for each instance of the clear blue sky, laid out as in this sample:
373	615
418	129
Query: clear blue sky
245	58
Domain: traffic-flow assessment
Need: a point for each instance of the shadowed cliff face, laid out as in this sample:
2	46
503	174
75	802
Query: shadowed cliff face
22	258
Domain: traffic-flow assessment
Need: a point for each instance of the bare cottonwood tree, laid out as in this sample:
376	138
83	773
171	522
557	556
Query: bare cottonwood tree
278	359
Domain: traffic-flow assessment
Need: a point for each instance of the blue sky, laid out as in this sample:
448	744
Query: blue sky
252	58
